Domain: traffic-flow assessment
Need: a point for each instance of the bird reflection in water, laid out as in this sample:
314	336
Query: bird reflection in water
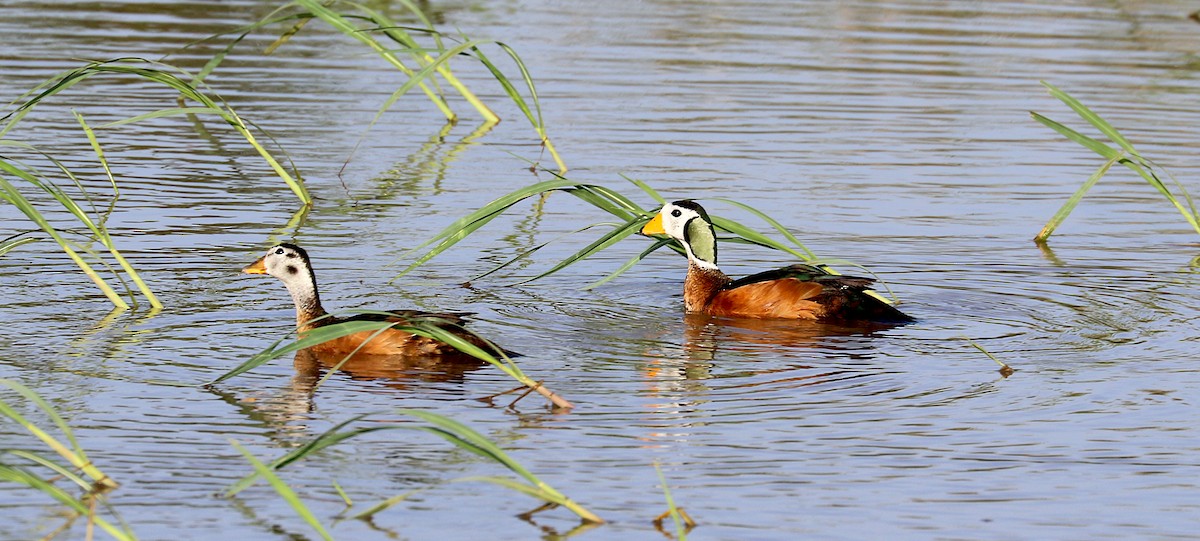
707	339
703	335
394	371
289	409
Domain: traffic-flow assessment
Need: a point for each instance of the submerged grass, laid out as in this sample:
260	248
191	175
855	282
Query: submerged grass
93	482
448	429
422	64
1005	370
431	327
285	491
683	522
1126	155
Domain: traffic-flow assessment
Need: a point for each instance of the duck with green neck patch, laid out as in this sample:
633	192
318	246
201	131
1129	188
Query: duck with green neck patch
796	292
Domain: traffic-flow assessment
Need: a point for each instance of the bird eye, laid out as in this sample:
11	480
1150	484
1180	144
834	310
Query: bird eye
676	213
279	250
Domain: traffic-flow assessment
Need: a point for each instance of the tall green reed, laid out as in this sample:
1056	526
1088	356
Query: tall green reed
1126	155
162	74
12	195
630	218
89	478
459	434
94	221
422	63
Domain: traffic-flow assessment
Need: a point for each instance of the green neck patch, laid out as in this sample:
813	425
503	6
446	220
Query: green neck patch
699	235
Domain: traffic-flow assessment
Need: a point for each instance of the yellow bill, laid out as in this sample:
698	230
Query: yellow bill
654	226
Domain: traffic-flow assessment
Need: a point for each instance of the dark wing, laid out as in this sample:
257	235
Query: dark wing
804	273
805	291
451	321
441	319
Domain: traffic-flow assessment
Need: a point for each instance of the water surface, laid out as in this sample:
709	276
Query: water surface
890	134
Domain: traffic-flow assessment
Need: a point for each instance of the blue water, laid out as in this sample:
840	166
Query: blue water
896	136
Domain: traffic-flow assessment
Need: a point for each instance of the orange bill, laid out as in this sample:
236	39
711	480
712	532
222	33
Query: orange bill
258	267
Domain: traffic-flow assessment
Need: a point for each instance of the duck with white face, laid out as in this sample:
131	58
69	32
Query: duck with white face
291	265
795	292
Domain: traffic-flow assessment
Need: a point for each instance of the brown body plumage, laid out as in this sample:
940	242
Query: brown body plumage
291	264
795	292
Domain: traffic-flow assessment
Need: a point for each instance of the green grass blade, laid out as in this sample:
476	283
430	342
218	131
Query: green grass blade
534	250
415	78
301	21
91	136
23	477
658	243
102	233
285	491
1150	177
341	24
1005	370
600	201
448	238
625	209
672	509
60	470
608	239
778	226
241	33
9	193
13	119
646	188
419	77
342	493
464	437
385	504
162	113
431	327
159	73
613	202
1069	206
328	438
528	490
540	493
1129	158
467	439
464	226
755	237
417	12
1092	118
73	454
534	114
392	30
1191	204
7	245
986	352
316	336
1102	149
